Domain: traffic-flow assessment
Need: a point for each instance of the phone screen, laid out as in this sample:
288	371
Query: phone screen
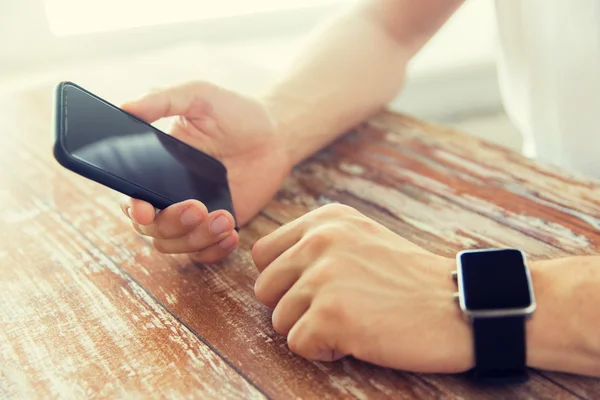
99	134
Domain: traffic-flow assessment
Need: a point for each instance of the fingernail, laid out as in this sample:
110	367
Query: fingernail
129	212
191	216
219	225
227	243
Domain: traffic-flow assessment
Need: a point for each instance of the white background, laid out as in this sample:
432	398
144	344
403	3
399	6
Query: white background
453	74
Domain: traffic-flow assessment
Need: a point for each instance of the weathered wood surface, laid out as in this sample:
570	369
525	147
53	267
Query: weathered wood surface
74	325
78	259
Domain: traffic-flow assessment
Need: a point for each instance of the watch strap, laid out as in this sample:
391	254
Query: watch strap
500	349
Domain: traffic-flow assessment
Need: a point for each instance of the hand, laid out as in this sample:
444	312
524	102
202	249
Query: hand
341	284
240	133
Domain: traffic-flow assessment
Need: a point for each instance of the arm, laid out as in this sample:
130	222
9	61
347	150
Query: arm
354	68
342	284
564	333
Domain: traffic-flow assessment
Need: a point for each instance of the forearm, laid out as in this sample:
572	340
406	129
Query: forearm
564	333
354	68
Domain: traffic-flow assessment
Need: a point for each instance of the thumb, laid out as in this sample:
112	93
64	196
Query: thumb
177	100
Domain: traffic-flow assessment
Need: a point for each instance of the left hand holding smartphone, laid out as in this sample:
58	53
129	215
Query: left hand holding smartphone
239	132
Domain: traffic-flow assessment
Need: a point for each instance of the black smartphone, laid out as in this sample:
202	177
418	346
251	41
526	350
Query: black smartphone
101	142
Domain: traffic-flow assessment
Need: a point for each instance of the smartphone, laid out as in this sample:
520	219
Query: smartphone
101	142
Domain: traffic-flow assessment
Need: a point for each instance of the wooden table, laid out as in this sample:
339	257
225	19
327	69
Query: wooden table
90	310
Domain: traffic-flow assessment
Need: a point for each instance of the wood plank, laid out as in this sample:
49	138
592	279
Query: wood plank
525	185
74	325
411	164
223	309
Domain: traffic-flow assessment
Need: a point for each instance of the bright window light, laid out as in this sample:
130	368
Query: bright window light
75	17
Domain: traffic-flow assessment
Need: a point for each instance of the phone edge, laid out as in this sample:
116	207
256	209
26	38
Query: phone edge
108	180
90	172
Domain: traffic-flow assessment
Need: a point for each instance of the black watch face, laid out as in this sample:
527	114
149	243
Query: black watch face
494	280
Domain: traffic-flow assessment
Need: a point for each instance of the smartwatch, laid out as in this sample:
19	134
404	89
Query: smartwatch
495	293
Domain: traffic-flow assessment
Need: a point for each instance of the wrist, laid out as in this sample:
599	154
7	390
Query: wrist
280	111
496	295
536	329
305	123
556	335
457	340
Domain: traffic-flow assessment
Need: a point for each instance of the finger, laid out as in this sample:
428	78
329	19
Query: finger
309	340
217	251
279	276
289	310
203	122
141	212
177	100
218	226
177	220
268	248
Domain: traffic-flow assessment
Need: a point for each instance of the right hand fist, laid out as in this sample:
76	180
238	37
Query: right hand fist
236	130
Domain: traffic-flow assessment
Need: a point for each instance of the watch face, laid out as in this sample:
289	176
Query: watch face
494	280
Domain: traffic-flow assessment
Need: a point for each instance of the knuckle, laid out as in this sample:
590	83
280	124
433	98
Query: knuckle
321	274
162	230
335	231
263	291
199	205
261	288
336	209
297	337
294	345
315	242
277	321
208	90
260	293
365	224
197	240
306	337
329	310
256	253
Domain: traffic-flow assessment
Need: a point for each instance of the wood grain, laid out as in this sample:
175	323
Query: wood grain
438	188
74	325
